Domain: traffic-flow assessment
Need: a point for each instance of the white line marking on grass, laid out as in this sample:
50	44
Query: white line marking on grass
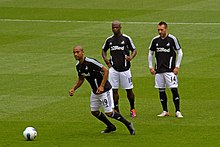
128	22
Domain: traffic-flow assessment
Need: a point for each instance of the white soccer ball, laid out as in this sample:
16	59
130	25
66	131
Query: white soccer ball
30	133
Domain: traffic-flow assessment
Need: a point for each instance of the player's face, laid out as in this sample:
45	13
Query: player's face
162	31
78	54
116	28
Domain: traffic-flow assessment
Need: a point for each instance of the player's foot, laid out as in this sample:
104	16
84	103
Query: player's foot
131	129
133	113
109	129
164	113
178	114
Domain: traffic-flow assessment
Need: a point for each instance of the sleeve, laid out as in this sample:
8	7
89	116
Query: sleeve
97	66
78	71
176	43
152	45
179	57
131	44
105	46
150	58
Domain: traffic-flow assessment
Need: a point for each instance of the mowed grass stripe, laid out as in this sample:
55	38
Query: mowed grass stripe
108	22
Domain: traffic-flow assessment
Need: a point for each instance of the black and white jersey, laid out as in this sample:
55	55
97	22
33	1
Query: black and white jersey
91	69
165	52
119	47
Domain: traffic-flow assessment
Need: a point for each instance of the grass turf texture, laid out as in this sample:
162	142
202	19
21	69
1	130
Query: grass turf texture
37	70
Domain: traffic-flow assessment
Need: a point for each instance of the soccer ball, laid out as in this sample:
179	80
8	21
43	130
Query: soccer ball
30	133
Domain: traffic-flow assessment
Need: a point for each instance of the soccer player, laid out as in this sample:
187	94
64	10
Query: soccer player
101	95
120	46
168	54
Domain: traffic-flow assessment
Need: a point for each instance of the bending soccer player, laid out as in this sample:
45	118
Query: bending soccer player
96	74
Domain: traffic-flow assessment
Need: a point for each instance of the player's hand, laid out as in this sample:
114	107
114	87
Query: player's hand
71	92
176	70
100	89
109	65
128	58
152	71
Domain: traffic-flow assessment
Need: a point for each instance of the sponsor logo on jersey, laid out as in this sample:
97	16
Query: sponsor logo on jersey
123	42
161	49
86	75
168	44
117	48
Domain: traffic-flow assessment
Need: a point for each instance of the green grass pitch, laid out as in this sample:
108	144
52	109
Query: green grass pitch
37	70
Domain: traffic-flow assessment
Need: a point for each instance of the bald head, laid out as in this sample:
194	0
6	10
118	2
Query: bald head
79	47
116	27
116	22
78	53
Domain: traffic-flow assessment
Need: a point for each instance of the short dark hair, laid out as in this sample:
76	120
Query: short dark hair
162	23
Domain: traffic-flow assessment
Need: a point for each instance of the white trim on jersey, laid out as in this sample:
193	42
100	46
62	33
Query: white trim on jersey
106	40
77	62
93	61
175	41
153	40
96	83
170	64
132	44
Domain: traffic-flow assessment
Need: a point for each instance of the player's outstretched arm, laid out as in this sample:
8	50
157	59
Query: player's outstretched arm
77	85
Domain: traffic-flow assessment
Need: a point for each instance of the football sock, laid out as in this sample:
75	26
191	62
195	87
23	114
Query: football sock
116	107
104	119
120	118
131	103
163	98
176	98
130	96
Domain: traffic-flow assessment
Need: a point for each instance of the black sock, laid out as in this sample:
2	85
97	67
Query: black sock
176	98
130	96
163	99
104	119
120	118
116	108
131	103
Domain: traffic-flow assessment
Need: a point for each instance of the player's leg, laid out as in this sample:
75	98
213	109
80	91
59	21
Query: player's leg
160	84
126	83
99	115
116	99
114	80
130	96
172	83
107	99
95	104
176	99
163	98
117	116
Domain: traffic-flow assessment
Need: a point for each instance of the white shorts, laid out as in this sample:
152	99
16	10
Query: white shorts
167	79
105	99
122	79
